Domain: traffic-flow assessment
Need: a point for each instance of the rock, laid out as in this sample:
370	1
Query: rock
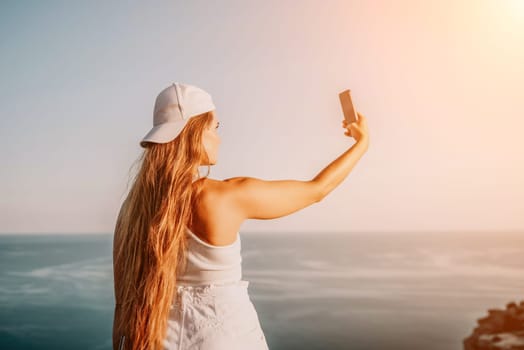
499	330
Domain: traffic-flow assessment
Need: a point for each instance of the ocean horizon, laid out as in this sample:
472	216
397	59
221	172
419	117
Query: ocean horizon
311	290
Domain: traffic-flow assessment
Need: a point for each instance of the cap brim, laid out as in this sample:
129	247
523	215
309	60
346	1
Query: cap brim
164	132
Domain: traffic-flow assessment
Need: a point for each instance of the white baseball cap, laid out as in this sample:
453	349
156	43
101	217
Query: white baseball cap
173	107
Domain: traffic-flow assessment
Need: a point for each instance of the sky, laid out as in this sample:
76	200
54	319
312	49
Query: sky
440	82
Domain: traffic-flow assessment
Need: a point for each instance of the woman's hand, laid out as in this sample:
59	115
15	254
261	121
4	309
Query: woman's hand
358	130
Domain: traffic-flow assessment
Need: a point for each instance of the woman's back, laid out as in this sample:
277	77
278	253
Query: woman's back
215	221
211	308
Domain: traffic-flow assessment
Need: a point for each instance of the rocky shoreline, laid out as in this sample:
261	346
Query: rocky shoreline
499	330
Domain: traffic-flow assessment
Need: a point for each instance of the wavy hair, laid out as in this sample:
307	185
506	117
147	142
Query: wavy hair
149	243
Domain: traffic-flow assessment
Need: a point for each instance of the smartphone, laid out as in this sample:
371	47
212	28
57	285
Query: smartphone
350	113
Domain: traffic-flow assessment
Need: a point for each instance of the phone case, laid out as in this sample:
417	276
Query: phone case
350	114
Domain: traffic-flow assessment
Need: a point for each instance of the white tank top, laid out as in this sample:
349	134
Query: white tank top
207	263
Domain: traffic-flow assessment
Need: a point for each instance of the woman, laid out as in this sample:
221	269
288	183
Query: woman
176	251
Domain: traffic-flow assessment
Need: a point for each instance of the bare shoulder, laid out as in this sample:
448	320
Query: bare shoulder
215	221
222	187
213	187
221	193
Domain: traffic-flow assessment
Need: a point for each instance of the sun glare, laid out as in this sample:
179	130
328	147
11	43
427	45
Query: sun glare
516	7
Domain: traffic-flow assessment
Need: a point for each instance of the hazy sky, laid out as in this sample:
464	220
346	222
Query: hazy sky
440	82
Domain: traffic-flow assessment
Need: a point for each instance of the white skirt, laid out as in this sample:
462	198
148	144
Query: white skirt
214	317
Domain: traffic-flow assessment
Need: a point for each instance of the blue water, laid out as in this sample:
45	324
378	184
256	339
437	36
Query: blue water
312	291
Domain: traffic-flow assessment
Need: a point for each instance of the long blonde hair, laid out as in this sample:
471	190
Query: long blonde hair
149	245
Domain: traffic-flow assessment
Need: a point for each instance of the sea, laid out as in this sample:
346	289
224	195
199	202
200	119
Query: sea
360	291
